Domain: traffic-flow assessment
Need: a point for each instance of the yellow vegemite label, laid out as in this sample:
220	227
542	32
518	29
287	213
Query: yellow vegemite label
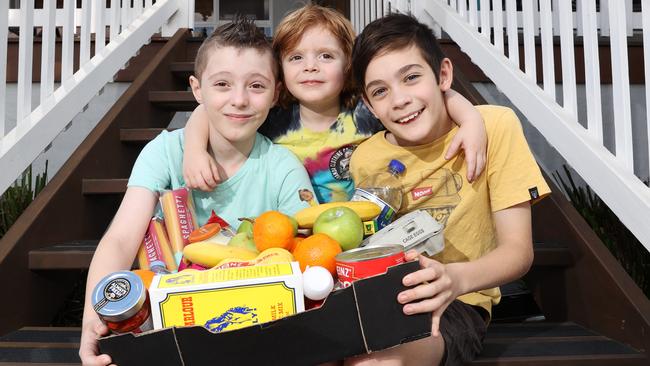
228	308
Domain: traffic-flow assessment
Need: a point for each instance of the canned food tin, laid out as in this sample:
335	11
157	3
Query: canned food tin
359	263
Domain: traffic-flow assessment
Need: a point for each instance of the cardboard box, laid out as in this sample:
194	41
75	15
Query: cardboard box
362	318
227	299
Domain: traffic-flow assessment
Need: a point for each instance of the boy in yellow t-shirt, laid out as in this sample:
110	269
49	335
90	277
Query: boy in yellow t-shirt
488	238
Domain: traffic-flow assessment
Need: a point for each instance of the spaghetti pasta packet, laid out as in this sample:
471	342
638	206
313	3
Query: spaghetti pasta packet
155	253
180	218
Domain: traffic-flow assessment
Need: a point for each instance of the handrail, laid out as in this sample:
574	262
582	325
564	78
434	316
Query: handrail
131	25
481	31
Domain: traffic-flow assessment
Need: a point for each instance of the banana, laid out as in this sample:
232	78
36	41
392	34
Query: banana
269	256
209	254
365	209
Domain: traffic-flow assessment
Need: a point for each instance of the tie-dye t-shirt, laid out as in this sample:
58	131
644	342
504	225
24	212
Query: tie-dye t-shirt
326	155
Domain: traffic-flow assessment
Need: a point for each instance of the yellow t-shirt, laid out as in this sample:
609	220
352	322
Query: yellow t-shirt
441	188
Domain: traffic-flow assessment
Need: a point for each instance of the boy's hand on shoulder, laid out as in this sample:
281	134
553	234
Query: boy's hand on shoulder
472	138
436	289
89	347
200	170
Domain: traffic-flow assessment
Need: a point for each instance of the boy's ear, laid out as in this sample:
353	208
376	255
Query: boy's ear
195	84
276	95
446	76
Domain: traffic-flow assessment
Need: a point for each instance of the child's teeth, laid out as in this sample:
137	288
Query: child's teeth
408	118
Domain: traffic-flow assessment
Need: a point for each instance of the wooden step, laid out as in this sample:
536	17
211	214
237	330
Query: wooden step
537	344
139	135
103	186
72	255
531	344
182	70
173	100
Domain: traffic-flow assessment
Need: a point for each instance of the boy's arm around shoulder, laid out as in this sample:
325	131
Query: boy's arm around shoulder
199	167
116	251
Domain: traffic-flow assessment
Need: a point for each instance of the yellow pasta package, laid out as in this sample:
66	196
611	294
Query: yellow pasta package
155	252
180	218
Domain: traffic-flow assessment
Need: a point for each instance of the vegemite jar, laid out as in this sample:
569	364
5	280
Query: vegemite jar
121	300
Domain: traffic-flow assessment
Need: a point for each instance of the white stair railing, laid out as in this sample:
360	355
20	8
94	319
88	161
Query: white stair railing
480	27
131	24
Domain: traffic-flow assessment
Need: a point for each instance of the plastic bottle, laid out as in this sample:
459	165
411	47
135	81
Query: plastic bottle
384	189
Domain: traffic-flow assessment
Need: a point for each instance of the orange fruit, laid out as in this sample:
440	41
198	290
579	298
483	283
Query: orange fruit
273	229
296	240
317	250
146	276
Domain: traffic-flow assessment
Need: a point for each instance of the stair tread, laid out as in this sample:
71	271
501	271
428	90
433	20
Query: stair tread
543	343
103	186
173	100
182	70
139	134
70	255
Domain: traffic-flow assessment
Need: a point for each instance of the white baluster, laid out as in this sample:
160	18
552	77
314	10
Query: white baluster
4	26
473	14
67	52
548	60
604	18
84	53
462	9
47	49
513	31
645	18
556	18
137	8
125	14
529	40
485	18
497	11
115	19
100	25
373	10
579	18
592	70
621	84
25	58
568	59
629	16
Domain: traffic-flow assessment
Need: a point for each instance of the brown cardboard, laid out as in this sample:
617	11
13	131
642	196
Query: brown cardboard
362	318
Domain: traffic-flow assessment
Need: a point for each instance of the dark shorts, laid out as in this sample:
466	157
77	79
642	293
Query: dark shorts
463	328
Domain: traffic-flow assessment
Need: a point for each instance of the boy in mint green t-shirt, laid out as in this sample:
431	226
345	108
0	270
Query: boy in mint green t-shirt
236	82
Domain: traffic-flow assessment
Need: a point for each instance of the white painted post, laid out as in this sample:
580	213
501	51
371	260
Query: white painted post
548	60
67	52
592	70
473	14
25	58
629	15
621	84
4	26
579	18
137	8
555	16
373	9
529	40
568	58
513	32
84	43
47	49
180	19
497	12
115	19
462	9
645	17
485	18
100	25
604	18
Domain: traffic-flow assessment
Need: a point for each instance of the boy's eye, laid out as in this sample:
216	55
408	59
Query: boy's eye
295	58
378	92
411	77
221	84
327	56
258	86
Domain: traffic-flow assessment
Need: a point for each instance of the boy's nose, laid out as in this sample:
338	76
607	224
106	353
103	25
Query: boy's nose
310	64
400	100
239	98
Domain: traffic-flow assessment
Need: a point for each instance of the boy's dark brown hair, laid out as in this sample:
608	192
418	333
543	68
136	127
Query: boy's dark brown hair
240	33
390	33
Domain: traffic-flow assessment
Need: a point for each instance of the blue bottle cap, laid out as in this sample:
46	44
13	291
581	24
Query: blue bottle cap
119	296
397	166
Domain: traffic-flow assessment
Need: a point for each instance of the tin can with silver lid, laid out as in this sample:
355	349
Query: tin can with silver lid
359	263
121	300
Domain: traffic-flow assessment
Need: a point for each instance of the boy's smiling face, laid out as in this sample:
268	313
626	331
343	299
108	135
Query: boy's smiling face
313	70
237	89
402	91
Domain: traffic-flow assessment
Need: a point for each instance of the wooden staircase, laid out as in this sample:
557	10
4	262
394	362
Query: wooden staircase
586	310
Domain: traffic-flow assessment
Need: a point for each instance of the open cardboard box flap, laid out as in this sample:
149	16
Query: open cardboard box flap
362	318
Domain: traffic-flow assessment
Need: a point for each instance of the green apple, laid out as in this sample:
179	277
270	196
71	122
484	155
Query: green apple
243	240
294	223
246	226
341	224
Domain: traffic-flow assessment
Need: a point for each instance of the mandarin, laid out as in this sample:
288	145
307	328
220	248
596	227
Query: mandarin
146	276
317	250
273	229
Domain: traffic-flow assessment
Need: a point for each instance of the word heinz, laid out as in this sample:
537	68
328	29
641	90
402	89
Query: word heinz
187	307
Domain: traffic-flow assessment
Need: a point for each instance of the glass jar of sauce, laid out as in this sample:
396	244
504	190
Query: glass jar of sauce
122	301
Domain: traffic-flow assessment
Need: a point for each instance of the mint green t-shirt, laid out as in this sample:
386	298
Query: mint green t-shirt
272	178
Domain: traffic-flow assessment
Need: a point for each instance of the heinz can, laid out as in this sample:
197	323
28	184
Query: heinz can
359	263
